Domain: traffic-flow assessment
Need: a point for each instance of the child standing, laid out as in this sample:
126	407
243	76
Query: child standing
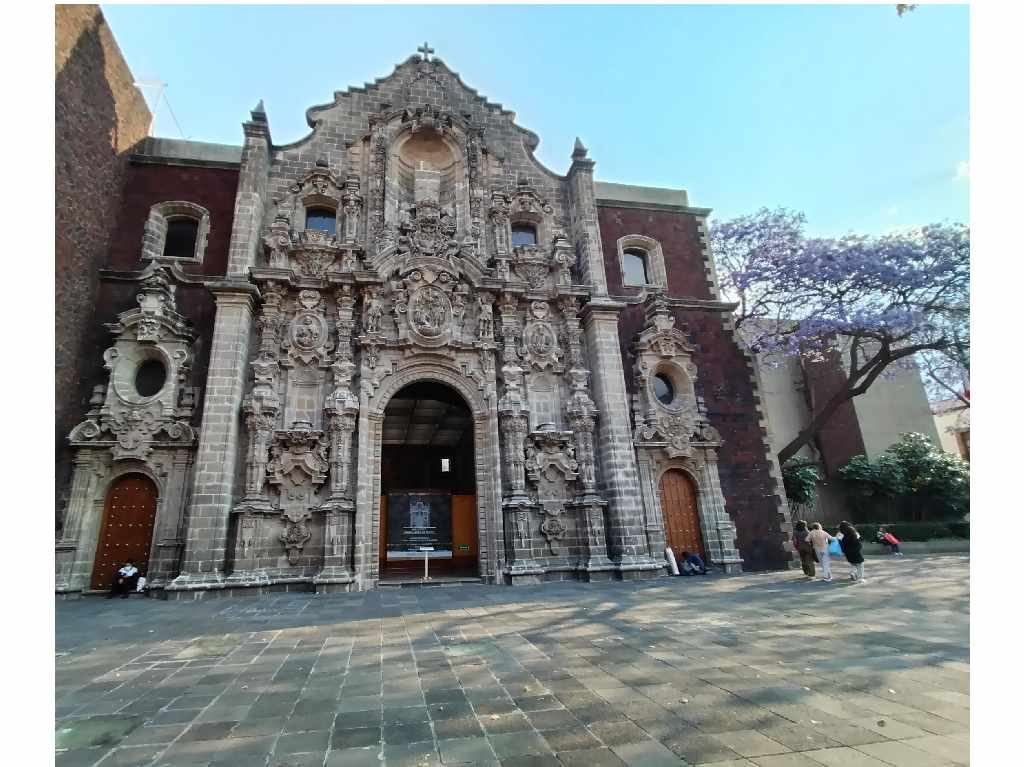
850	543
819	540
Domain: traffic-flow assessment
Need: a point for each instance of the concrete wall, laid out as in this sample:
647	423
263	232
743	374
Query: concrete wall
100	116
948	423
893	406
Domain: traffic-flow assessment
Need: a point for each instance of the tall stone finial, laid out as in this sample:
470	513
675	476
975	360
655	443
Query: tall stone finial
579	152
259	114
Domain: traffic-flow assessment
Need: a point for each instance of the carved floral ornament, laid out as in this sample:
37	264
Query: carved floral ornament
540	342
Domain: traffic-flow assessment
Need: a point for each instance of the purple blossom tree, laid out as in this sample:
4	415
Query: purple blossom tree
874	302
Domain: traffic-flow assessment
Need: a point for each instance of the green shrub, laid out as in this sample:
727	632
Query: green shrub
801	482
912	480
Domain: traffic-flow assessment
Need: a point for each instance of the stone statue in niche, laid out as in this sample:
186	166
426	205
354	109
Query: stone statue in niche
374	311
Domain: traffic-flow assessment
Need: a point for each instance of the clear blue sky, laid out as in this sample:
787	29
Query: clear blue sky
851	114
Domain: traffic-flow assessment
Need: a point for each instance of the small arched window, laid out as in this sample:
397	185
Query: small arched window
663	389
634	264
322	219
180	242
523	234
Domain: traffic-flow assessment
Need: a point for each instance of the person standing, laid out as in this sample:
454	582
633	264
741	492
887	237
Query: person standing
802	544
851	545
819	542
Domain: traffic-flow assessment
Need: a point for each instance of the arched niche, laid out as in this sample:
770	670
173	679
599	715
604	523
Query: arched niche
436	152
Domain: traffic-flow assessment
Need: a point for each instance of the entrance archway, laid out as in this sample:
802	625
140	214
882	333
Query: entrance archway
428	487
679	509
127	532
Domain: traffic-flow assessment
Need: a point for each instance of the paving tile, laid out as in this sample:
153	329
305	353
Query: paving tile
648	753
750	743
572	739
503	723
354	757
900	754
594	757
843	757
402	734
356	738
698	748
518	743
411	755
302	743
957	750
618	733
785	760
459	727
465	750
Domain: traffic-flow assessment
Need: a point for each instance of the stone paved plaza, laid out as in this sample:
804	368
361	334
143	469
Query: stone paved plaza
763	669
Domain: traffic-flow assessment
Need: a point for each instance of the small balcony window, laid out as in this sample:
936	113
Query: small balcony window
182	234
523	234
322	219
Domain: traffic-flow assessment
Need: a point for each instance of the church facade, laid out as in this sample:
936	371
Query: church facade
399	344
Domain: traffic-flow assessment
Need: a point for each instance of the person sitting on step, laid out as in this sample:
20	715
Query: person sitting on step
693	564
125	580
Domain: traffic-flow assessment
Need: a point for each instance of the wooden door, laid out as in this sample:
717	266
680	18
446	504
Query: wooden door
127	532
679	507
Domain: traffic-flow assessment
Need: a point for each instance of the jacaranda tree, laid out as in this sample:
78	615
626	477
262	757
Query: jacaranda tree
871	302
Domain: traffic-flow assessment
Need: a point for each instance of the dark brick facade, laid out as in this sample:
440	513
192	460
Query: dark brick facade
100	116
840	438
723	377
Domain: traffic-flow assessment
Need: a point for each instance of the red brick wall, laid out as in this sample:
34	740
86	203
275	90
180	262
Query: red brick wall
839	439
100	116
680	245
723	378
147	185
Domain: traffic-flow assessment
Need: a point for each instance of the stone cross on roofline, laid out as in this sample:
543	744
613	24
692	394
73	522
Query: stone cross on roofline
426	50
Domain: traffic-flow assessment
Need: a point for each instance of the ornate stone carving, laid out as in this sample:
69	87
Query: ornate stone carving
132	425
550	465
540	344
352	207
307	338
427	229
297	467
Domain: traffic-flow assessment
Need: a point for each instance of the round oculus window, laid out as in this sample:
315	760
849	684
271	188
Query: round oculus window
150	378
663	389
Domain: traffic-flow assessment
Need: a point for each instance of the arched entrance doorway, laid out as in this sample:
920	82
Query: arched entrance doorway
428	484
127	532
679	508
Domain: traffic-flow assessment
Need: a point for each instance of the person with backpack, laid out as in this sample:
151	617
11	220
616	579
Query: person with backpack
819	542
888	539
802	544
851	546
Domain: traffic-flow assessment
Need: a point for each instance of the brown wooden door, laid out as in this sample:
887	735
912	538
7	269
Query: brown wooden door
679	507
127	531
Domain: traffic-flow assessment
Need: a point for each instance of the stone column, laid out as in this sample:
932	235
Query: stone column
251	196
217	456
627	544
719	530
69	549
583	217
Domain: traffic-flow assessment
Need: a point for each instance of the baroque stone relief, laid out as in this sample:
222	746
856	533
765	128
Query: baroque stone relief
130	422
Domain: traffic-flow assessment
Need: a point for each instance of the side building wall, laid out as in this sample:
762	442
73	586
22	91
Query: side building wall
725	372
99	117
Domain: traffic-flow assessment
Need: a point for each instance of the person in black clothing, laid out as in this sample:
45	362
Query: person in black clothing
693	564
125	580
851	546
